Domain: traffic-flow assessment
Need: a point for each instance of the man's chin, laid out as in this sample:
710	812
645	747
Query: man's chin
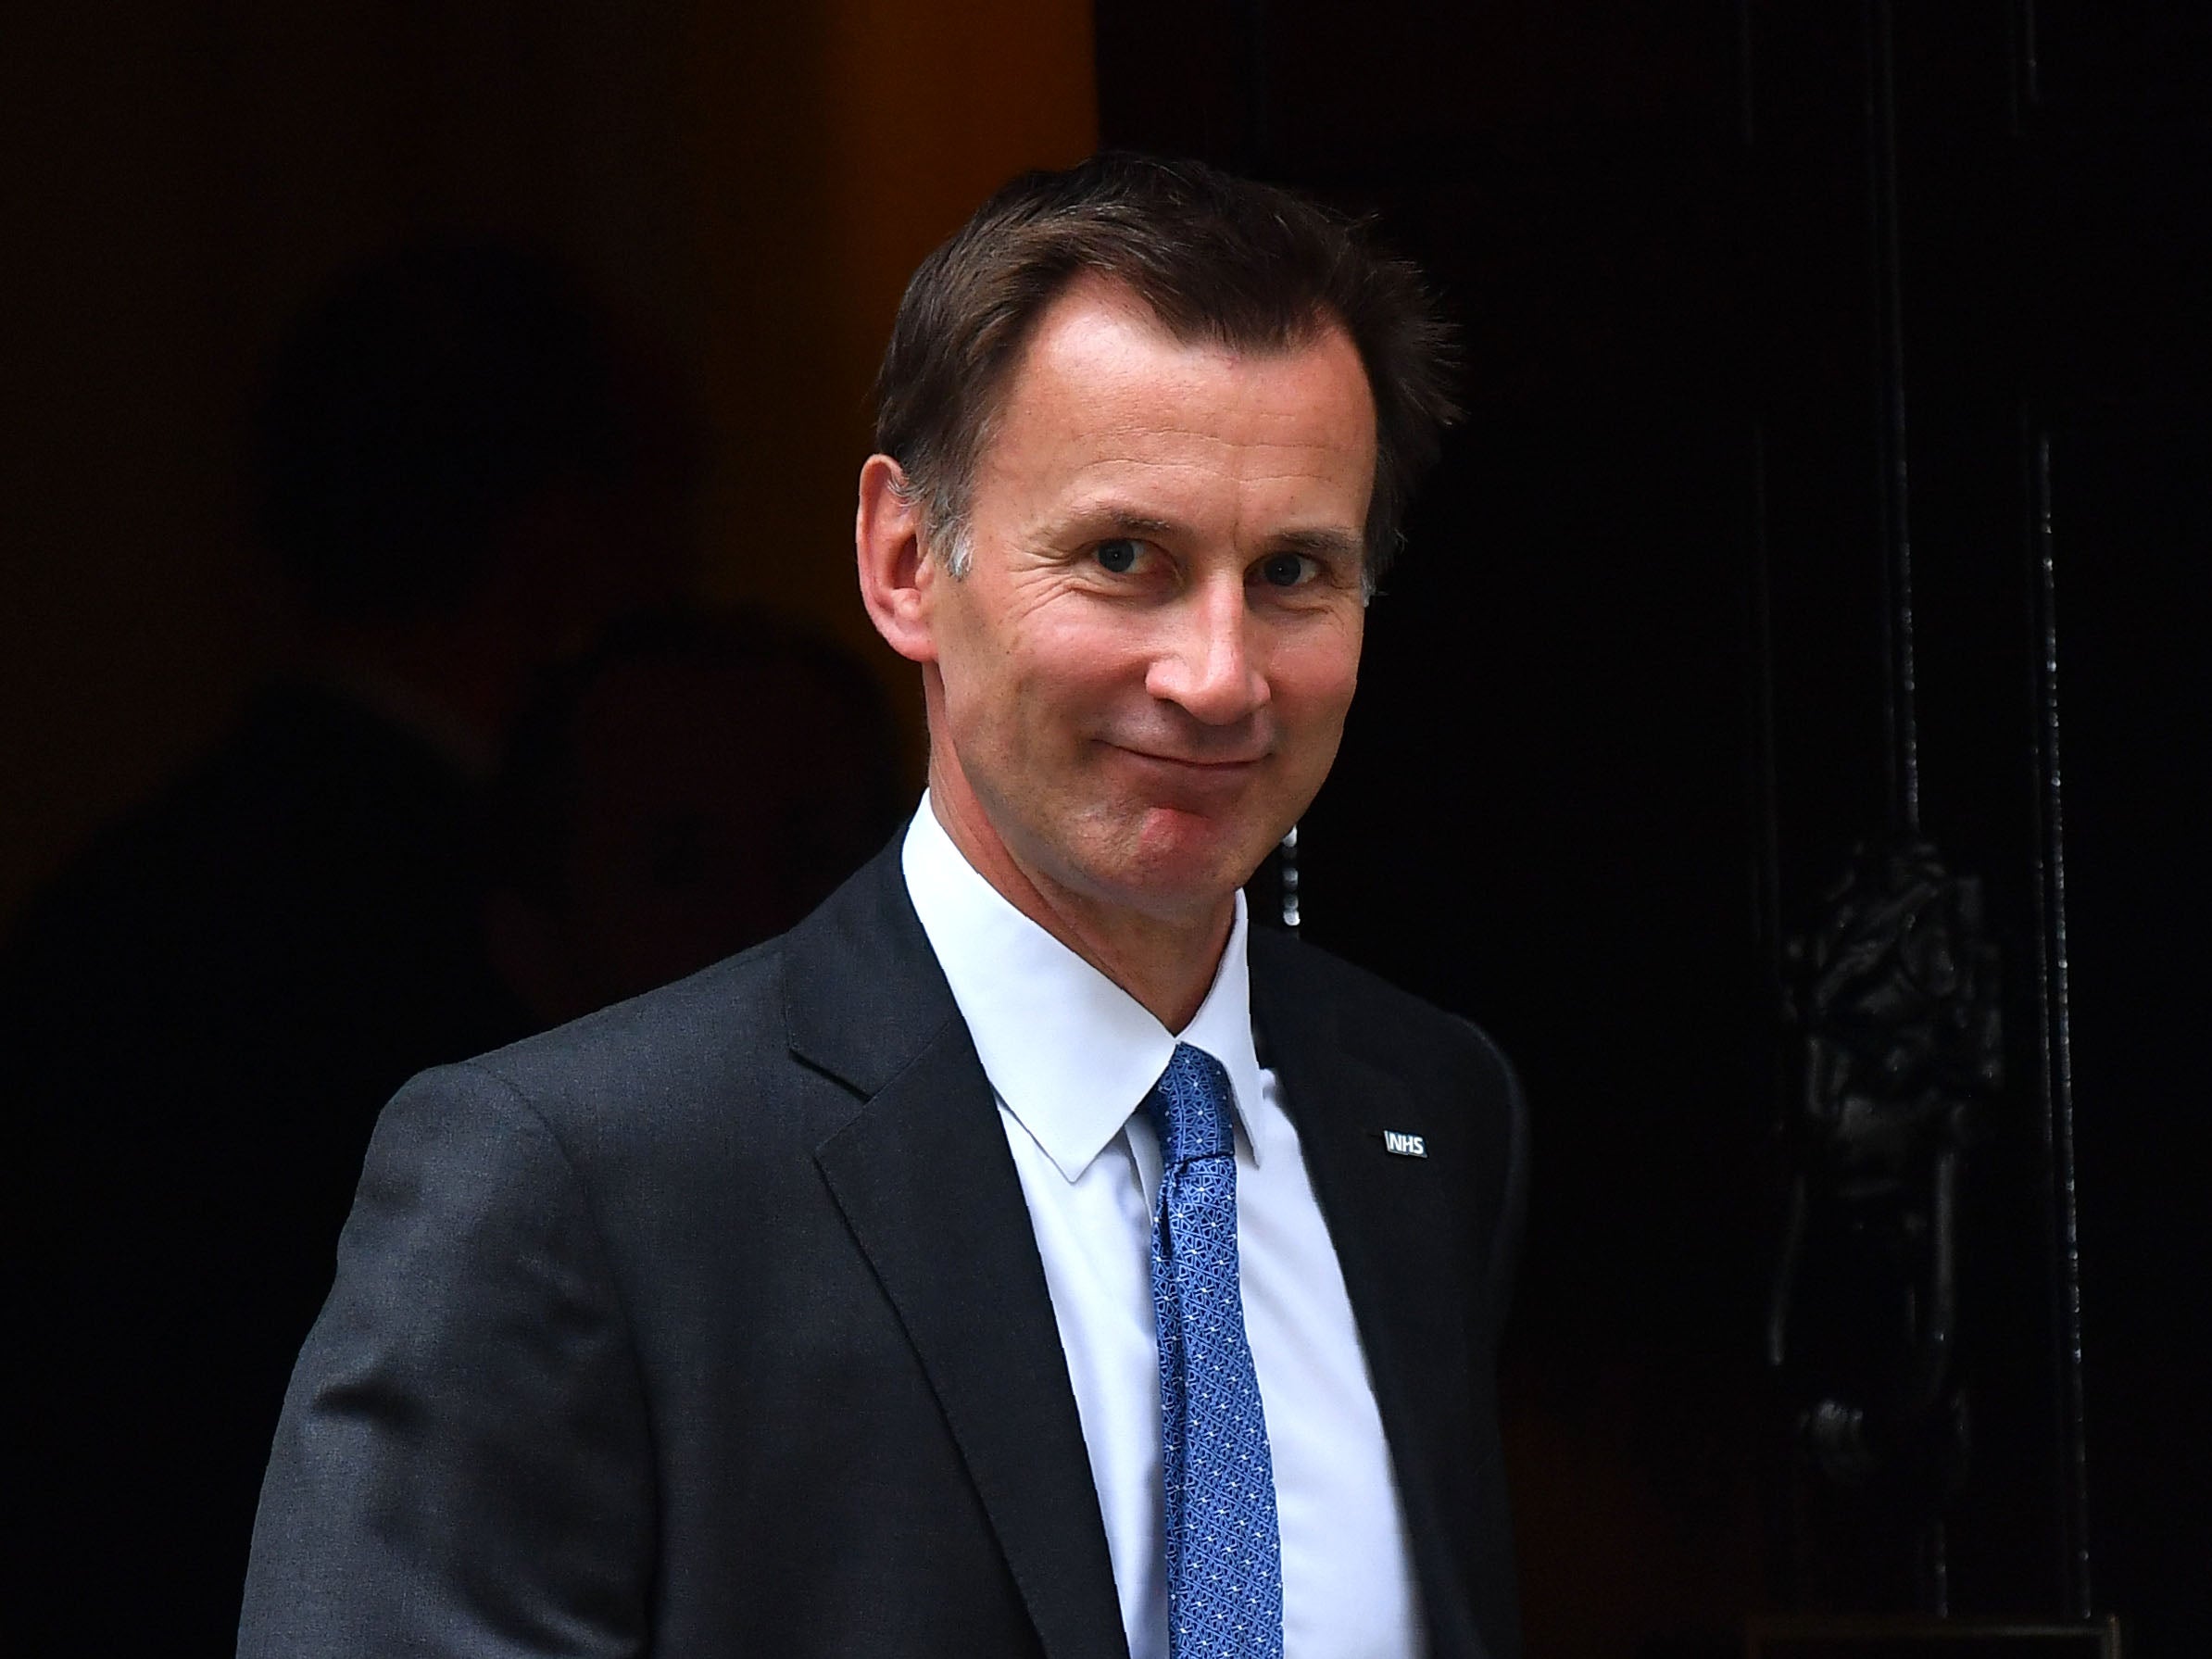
1178	866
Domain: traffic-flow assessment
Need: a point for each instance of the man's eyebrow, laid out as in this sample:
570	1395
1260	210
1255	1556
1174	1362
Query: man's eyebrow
1107	520
1321	544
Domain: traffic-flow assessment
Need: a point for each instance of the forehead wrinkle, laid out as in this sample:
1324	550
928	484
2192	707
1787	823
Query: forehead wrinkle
1234	462
1156	495
1103	422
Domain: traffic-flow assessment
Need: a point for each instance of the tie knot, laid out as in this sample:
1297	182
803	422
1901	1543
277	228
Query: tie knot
1190	1107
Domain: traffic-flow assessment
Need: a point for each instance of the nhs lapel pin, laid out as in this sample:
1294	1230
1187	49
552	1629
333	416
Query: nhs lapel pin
1404	1144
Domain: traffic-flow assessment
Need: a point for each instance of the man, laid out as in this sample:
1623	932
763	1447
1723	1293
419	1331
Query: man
1021	1255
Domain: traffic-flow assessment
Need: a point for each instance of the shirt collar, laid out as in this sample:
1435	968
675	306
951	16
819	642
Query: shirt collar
1070	1052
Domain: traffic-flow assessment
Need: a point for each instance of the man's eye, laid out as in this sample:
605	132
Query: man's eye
1118	555
1285	569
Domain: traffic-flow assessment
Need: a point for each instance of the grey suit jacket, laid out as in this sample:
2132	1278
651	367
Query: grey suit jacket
714	1324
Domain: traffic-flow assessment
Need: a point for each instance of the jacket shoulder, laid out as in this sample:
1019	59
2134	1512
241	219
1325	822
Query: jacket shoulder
700	1045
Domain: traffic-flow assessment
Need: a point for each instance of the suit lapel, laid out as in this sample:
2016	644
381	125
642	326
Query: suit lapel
1393	1226
925	1180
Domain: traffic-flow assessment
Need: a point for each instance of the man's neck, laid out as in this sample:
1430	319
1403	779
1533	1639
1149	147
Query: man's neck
1167	964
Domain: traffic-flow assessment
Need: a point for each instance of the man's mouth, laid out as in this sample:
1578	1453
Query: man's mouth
1197	763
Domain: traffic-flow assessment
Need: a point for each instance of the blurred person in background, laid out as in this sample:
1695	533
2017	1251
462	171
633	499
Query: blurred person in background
463	471
693	786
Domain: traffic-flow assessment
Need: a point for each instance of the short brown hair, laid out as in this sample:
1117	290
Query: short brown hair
1216	258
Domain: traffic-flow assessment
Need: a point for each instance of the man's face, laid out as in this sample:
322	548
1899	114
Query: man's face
1143	676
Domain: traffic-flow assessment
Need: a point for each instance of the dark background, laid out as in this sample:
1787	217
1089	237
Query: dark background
1795	335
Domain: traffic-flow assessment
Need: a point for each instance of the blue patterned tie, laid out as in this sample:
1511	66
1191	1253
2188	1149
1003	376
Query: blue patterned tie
1224	1566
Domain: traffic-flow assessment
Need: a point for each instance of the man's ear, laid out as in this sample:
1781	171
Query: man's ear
897	581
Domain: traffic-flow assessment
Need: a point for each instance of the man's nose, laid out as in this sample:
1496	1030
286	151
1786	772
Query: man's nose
1208	664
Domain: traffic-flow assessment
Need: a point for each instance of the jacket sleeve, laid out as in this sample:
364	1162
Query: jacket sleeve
1494	1582
464	1464
1502	1260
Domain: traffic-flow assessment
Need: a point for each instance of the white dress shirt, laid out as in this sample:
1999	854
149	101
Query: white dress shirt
1071	1057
